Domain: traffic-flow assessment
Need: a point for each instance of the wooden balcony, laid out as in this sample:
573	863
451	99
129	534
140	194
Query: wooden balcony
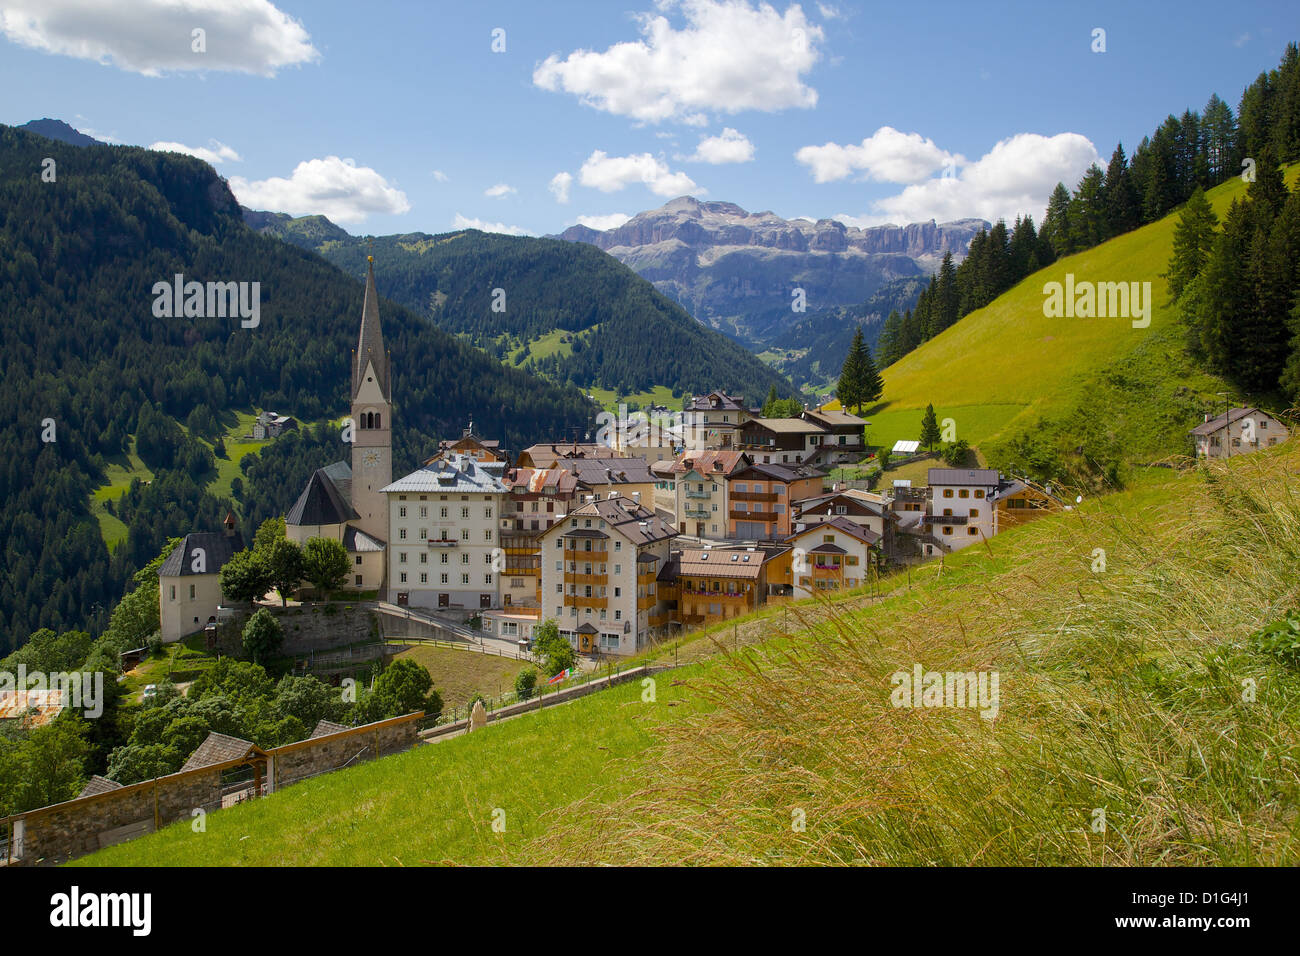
768	516
583	579
755	496
580	601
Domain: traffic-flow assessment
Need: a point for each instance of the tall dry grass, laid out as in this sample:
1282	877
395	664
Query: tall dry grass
1121	691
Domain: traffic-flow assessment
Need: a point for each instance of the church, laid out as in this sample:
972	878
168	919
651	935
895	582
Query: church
345	500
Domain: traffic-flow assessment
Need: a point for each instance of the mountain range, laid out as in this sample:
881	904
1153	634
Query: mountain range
737	271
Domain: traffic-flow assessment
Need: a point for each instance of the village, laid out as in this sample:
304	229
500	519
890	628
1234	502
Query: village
668	522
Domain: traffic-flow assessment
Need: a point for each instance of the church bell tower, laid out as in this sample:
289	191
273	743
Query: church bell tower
372	419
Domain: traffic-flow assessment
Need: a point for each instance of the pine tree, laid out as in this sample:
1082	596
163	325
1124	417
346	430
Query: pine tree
946	296
1193	241
873	386
889	345
1056	224
930	435
853	384
1121	200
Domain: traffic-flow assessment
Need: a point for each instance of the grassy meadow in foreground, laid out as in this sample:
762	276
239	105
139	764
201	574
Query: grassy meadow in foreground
1122	700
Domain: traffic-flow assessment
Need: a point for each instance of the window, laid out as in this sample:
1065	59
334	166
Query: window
947	530
979	493
424	557
487	579
424	511
173	592
974	512
191	592
445	557
442	512
963	493
464	579
487	512
464	558
424	578
358	559
401	512
358	580
402	577
401	533
464	512
464	534
401	557
444	579
972	531
947	492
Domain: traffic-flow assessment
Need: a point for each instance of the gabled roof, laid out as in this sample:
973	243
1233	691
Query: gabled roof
984	477
370	344
326	727
534	481
637	523
321	502
835	418
850	496
839	523
725	402
609	471
742	563
220	748
786	473
1219	422
98	784
722	462
785	426
217	547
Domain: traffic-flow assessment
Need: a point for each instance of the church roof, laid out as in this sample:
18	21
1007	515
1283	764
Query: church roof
217	546
321	502
356	540
370	345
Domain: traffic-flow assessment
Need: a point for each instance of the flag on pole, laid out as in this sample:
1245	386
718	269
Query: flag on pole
562	675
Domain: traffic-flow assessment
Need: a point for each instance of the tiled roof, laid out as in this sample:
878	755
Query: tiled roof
609	471
218	548
326	727
635	522
219	748
703	403
786	473
322	501
725	562
98	784
709	462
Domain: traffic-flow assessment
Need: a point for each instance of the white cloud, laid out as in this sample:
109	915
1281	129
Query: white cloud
499	191
155	36
333	187
559	186
730	147
439	175
728	56
612	173
829	12
1015	177
887	155
217	152
462	222
600	223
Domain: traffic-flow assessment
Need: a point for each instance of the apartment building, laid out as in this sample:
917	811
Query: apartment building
536	498
763	498
717	583
443	534
843	437
600	478
694	489
712	421
865	508
600	569
832	555
783	441
961	512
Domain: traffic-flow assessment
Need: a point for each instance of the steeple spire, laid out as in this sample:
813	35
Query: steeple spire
370	345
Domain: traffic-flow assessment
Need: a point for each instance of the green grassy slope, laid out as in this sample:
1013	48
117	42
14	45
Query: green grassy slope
1121	689
1005	370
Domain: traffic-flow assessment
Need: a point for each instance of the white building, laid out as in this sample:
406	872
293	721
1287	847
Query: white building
599	574
961	512
189	580
1237	432
444	549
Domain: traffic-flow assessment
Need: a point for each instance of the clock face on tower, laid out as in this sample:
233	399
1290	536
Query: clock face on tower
370	459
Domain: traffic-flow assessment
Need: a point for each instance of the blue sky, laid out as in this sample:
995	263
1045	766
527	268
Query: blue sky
399	116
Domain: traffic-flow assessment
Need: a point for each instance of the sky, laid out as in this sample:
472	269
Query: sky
529	117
